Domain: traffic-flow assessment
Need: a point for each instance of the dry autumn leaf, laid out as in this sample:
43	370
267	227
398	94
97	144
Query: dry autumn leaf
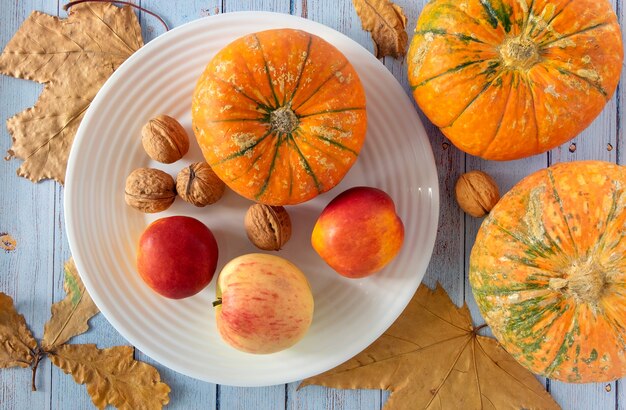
112	376
432	357
16	341
73	57
69	316
387	23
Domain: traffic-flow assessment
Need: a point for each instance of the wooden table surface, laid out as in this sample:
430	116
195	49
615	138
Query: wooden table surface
33	214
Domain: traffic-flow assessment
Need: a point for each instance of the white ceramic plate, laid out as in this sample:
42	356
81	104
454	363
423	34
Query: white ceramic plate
103	231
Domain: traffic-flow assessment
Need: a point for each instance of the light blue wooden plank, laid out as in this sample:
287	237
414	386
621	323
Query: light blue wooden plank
278	6
321	398
66	394
174	14
26	212
187	393
591	144
446	264
344	19
271	397
620	386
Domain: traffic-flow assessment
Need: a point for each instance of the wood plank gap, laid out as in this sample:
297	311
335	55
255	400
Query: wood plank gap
305	11
287	385
464	250
292	7
139	10
223	6
616	391
217	386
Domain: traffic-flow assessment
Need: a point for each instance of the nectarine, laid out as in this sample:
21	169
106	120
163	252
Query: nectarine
177	256
359	232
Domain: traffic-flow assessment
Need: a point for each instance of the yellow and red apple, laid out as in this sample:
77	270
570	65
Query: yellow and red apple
264	303
359	232
177	256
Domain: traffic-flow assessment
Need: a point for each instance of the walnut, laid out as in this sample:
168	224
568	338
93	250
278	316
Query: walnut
199	185
164	139
150	190
477	193
268	227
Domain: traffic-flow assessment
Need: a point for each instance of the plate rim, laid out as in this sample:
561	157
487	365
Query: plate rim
81	135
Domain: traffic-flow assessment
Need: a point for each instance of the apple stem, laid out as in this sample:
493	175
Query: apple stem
217	302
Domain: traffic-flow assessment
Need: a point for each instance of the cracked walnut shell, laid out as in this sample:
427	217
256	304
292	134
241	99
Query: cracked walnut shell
198	185
150	190
268	227
164	139
477	193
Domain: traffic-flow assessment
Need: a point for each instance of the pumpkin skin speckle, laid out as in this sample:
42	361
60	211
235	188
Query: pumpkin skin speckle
548	272
506	79
280	116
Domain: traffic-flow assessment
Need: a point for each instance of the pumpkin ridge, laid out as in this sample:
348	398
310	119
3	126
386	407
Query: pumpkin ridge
237	90
307	166
259	120
531	90
319	87
256	159
568	337
243	151
271	169
337	144
495	135
331	111
575	33
529	14
497	16
442	32
267	70
557	197
452	70
531	247
610	217
565	71
473	19
473	100
556	15
327	154
306	59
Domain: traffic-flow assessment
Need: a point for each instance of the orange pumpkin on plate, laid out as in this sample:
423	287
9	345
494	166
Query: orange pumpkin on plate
280	116
506	79
548	271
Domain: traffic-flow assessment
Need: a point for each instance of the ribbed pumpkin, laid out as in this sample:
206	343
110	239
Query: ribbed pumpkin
548	271
280	116
506	79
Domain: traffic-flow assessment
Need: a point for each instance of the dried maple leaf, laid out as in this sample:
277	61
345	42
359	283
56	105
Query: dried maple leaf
112	376
387	23
73	57
432	358
69	316
16	341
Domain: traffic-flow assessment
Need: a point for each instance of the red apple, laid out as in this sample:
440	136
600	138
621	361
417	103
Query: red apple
177	256
359	232
264	303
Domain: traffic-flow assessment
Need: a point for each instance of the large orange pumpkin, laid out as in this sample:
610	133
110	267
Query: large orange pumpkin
280	116
506	79
548	271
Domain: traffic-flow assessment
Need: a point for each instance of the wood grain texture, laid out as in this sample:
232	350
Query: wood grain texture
33	215
26	213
